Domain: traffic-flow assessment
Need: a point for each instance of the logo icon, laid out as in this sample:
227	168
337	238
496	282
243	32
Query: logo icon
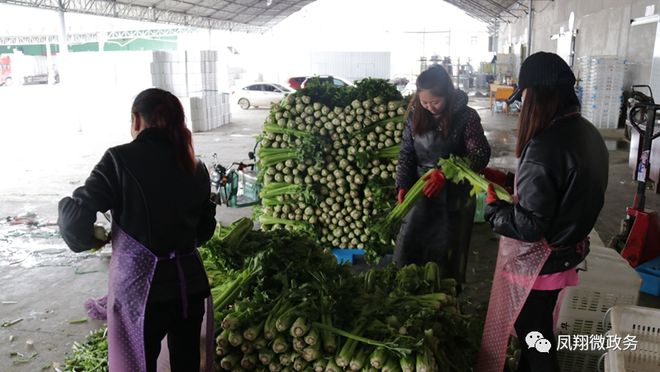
537	341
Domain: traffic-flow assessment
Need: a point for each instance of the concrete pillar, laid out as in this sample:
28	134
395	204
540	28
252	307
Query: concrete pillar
63	43
49	63
102	37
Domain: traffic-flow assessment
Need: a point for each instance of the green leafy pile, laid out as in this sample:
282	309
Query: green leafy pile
226	247
328	161
292	307
91	355
333	96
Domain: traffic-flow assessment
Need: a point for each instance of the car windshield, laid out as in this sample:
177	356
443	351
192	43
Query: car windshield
282	88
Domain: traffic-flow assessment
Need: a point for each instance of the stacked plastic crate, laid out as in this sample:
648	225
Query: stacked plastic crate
602	89
168	71
193	77
209	105
608	280
637	329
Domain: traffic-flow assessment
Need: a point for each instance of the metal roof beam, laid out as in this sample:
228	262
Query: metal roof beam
501	7
91	36
296	5
136	12
477	10
484	9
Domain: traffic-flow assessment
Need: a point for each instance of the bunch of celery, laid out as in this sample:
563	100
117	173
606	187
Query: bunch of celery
387	227
457	169
338	145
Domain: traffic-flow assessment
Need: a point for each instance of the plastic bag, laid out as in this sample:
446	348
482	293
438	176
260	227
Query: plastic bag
518	266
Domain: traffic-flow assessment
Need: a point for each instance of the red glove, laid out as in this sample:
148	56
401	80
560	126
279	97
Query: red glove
401	195
495	176
498	177
435	181
491	196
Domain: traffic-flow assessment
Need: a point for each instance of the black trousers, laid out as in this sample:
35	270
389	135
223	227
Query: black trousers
536	316
183	335
432	233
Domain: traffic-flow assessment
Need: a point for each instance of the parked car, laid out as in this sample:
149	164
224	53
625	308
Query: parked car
260	94
335	80
296	81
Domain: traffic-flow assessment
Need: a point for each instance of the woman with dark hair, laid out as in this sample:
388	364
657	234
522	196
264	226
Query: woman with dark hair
159	196
439	124
559	192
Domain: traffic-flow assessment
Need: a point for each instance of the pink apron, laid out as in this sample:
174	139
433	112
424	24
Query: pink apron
131	271
518	266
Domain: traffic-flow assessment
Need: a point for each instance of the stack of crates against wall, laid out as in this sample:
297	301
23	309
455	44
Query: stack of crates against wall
608	280
579	92
209	100
168	71
202	72
193	77
636	340
602	89
208	111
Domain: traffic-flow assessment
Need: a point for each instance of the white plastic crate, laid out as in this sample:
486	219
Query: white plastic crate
602	88
608	281
578	361
644	324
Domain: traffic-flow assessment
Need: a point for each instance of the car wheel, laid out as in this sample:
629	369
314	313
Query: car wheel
244	103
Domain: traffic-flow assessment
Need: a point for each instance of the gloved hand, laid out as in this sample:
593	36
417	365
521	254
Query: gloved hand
401	195
500	178
435	181
493	205
491	195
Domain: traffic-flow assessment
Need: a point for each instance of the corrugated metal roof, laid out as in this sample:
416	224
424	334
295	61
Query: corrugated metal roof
493	11
236	15
243	15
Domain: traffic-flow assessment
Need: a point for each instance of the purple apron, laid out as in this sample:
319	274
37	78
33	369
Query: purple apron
132	268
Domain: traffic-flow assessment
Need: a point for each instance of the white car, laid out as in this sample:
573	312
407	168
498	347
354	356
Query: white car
260	94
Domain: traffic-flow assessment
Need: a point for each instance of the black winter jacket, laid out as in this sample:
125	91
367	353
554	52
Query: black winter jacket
561	181
466	138
153	200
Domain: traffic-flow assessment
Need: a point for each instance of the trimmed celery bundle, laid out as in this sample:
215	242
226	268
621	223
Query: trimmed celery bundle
456	169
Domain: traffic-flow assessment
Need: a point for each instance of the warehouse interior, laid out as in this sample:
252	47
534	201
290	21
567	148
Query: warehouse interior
77	65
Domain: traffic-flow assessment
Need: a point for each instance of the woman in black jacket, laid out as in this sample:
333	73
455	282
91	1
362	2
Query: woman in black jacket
158	194
439	124
560	189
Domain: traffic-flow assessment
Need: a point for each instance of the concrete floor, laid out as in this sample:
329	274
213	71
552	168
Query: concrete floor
45	285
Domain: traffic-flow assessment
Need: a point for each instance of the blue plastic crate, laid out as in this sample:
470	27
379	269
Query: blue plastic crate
650	273
347	255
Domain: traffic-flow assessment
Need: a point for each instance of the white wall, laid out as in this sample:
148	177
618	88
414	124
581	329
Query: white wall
603	29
